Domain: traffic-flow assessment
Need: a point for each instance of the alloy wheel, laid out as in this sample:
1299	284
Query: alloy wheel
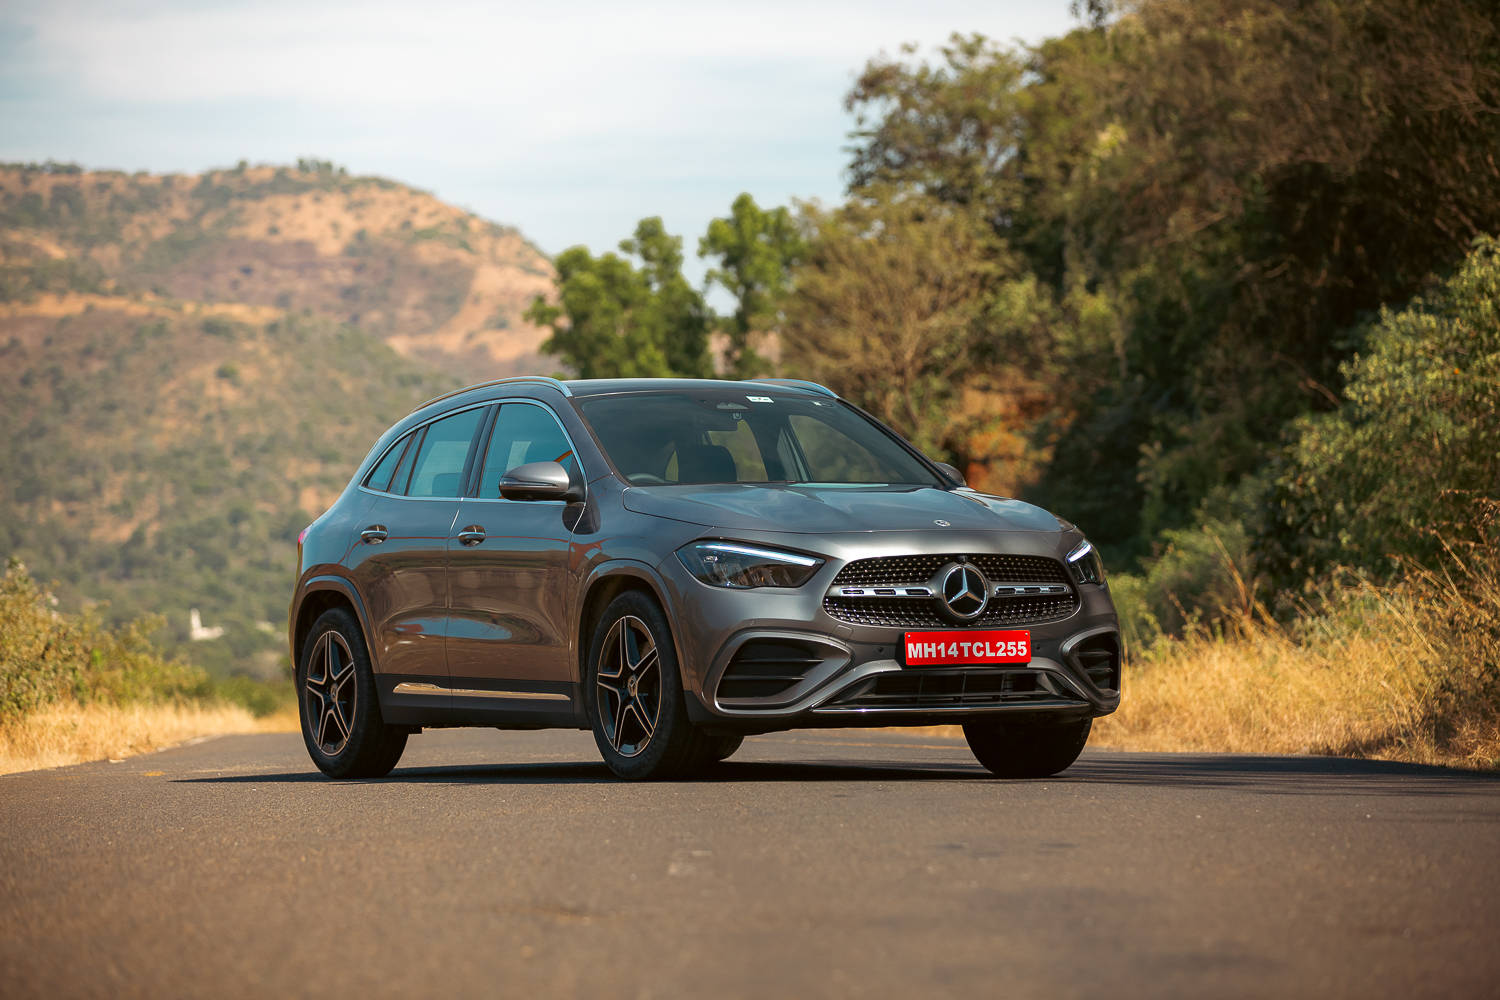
329	693
628	686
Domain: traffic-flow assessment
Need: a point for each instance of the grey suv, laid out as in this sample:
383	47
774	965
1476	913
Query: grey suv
676	564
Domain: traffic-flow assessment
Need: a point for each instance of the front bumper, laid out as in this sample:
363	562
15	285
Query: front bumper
739	648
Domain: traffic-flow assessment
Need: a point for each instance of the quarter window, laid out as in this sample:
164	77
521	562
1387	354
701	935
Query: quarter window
439	468
523	433
380	476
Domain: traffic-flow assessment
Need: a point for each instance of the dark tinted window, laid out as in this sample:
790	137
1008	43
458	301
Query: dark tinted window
403	471
439	467
733	437
523	433
380	477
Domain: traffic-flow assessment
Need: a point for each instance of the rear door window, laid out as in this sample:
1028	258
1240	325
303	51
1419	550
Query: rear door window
444	455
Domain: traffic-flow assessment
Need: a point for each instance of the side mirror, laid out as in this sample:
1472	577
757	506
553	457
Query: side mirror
539	481
956	477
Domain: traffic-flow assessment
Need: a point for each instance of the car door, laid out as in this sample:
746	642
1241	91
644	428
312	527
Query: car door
508	568
399	562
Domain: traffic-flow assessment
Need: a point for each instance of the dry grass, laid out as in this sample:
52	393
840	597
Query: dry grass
67	733
1408	672
1262	691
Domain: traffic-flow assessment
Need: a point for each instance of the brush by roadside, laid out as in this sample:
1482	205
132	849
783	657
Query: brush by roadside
73	690
70	733
1405	671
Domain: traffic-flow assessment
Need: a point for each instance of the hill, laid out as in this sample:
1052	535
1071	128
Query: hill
429	279
190	368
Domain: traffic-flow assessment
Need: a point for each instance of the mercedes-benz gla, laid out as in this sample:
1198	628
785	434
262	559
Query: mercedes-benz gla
676	564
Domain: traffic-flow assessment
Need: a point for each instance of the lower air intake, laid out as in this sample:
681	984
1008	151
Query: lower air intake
1099	658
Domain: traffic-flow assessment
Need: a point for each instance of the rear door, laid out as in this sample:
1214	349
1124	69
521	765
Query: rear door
399	562
510	621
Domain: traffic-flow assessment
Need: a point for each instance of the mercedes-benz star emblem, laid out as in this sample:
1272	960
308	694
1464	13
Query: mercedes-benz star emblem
965	591
941	523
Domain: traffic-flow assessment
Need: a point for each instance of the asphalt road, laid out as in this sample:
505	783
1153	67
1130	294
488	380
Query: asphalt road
813	864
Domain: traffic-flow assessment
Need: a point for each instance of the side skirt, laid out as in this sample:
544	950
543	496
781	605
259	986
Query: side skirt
422	701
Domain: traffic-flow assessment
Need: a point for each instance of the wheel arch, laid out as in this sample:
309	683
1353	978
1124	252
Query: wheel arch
322	594
605	584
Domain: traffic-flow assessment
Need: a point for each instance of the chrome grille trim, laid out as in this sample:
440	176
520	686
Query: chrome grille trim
903	591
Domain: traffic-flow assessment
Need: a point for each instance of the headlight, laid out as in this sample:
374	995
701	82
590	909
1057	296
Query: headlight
729	564
1086	565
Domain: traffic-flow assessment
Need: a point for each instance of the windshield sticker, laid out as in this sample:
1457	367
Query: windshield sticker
759	399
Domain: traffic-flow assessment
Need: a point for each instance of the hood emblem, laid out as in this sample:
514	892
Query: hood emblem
942	524
965	591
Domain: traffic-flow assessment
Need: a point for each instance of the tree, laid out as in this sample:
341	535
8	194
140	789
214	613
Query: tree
946	130
756	250
1237	184
1264	176
887	308
614	319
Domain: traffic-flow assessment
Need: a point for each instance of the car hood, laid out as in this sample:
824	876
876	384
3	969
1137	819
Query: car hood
821	510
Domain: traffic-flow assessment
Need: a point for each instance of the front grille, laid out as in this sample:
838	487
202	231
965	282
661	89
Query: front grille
917	613
1099	656
920	612
917	689
887	570
765	668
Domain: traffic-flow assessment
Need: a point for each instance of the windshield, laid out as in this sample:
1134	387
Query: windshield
656	438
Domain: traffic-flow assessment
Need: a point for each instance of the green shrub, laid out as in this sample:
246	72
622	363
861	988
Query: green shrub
48	657
1201	576
1399	465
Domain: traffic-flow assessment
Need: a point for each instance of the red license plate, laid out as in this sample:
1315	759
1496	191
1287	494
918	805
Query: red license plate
926	649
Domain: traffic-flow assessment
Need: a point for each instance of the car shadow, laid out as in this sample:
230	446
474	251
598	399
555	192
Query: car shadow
586	773
1244	773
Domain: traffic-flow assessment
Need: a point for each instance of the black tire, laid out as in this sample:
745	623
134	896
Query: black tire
1035	750
341	722
633	745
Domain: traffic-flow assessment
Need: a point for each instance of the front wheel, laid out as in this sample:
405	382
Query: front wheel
341	722
1037	750
633	693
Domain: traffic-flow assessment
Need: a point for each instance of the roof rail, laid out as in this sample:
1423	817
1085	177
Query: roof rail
557	384
799	383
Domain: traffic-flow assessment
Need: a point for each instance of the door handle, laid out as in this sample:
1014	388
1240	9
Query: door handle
374	534
472	535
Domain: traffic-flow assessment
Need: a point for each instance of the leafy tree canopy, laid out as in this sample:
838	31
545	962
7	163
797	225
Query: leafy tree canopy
755	249
627	316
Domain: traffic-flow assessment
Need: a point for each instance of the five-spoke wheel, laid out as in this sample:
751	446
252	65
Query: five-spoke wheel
329	692
628	686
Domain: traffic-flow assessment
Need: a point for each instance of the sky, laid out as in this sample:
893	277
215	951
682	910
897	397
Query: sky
569	121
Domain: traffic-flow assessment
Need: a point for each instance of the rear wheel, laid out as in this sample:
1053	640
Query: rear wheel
341	722
1036	750
634	694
